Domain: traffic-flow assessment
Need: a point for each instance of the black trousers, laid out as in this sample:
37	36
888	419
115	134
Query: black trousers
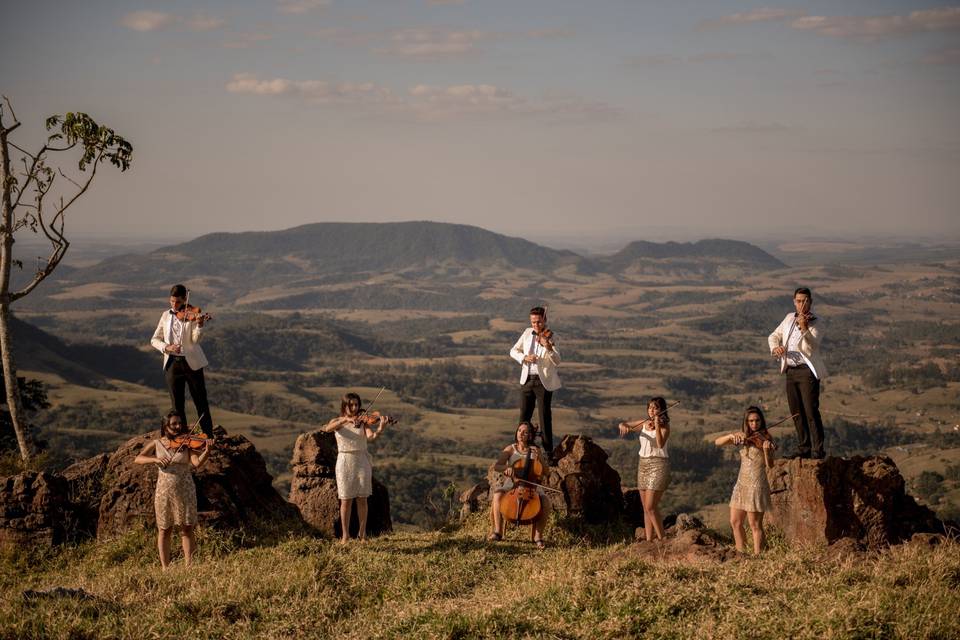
803	397
178	375
532	393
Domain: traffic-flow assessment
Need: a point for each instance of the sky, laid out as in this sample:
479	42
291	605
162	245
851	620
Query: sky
599	120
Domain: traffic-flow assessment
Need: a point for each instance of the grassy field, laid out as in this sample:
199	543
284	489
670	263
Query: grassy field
455	585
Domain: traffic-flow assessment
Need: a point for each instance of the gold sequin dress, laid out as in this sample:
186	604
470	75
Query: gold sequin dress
752	491
175	501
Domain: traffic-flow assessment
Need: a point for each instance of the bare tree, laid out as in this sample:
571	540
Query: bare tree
37	196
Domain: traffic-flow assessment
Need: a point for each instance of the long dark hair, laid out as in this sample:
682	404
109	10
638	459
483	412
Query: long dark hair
165	424
532	429
661	408
347	399
763	421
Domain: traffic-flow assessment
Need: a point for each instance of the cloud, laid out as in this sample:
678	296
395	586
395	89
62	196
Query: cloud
313	91
874	27
432	42
764	14
204	22
425	103
148	20
943	56
156	21
298	7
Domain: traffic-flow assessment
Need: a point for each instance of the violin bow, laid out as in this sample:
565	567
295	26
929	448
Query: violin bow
377	397
534	484
777	424
659	413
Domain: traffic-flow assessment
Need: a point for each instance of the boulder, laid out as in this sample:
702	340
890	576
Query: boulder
590	486
233	488
313	488
687	540
864	498
85	490
33	509
475	499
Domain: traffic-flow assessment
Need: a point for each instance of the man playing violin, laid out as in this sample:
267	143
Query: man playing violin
177	337
539	360
796	342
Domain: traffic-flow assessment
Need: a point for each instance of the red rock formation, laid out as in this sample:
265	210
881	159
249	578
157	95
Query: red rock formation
822	501
33	509
313	488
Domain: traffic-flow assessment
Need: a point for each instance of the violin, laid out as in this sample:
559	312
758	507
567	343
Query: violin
757	438
371	418
191	442
545	338
190	313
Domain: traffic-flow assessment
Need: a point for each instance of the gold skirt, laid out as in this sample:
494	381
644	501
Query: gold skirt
653	474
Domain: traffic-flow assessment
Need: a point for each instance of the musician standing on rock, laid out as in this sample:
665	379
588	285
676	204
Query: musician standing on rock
539	360
796	342
177	337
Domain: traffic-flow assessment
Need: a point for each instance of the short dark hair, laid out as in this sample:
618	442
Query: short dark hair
346	399
538	311
803	290
178	291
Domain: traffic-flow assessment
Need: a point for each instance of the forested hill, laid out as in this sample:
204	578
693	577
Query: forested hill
262	258
686	255
293	264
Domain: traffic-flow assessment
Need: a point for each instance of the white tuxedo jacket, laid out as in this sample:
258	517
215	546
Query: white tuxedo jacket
163	337
547	361
809	344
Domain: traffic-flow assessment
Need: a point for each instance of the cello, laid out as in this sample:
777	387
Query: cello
521	505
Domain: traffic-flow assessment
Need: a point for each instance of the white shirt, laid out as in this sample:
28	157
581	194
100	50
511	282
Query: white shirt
648	445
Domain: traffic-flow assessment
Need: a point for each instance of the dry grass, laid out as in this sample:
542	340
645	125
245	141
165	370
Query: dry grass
454	585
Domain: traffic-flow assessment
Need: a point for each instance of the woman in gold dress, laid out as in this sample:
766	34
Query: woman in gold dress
751	494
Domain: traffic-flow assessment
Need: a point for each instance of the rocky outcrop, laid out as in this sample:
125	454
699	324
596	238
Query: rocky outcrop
233	488
313	488
590	486
108	494
475	499
863	498
687	540
33	509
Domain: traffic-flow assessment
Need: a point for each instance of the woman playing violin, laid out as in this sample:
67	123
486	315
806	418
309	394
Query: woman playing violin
653	469
353	430
511	459
751	494
175	500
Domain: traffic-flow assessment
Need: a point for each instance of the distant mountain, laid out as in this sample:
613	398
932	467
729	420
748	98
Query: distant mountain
705	255
441	266
257	259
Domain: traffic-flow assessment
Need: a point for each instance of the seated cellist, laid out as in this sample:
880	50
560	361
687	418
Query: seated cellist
512	461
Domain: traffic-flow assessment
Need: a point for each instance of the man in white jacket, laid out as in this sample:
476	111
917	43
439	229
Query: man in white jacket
539	359
796	342
183	359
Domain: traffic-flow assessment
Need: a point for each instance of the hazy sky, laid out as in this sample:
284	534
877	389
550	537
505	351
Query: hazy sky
600	118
